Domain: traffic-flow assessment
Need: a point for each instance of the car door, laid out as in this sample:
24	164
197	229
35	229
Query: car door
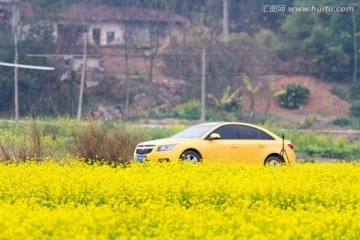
223	149
252	144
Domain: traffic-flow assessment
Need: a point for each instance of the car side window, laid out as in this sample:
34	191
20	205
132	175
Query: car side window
250	133
226	132
247	132
264	136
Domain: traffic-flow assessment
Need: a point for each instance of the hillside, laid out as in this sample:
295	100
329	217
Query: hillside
321	104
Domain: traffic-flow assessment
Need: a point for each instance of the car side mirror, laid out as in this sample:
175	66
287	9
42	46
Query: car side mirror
214	136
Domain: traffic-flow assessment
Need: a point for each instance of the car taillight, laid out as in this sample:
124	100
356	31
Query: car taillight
292	146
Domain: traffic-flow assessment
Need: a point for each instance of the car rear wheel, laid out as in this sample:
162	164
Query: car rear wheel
191	156
273	161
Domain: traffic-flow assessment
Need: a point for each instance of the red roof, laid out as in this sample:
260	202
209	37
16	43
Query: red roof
105	13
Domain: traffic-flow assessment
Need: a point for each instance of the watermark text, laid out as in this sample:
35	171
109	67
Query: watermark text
309	9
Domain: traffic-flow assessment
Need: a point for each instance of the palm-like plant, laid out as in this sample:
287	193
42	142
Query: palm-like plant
227	102
272	94
252	91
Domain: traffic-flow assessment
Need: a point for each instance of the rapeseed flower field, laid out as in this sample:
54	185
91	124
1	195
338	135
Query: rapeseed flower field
74	200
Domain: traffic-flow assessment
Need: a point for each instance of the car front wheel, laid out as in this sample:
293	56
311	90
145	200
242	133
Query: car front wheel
191	156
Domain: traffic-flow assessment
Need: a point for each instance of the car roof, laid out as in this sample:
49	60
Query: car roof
229	123
216	124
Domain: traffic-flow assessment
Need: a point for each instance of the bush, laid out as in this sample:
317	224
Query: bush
339	92
266	39
355	92
189	110
310	121
295	96
355	109
96	143
28	145
341	122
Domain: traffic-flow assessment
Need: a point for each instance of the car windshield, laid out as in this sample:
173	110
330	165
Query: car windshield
194	131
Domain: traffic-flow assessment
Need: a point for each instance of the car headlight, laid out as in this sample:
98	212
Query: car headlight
166	147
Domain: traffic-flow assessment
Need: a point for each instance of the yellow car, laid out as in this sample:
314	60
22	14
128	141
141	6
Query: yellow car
239	142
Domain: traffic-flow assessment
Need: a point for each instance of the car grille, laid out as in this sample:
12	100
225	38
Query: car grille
144	149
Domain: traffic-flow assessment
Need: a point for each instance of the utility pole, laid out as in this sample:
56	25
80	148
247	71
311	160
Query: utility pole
82	78
203	84
16	81
226	21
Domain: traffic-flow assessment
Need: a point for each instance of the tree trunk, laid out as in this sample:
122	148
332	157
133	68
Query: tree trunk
127	79
355	47
203	85
268	105
155	35
226	21
252	105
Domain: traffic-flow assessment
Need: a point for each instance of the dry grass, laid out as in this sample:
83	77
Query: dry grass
30	146
96	143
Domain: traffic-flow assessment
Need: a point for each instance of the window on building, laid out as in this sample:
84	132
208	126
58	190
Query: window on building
110	36
96	36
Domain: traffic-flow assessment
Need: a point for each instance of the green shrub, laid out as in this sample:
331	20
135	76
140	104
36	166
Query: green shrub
310	121
339	92
266	39
341	122
355	109
295	96
189	110
355	92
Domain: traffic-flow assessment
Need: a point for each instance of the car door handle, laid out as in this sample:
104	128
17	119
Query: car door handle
234	146
261	146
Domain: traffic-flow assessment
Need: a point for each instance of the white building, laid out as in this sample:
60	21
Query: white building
110	26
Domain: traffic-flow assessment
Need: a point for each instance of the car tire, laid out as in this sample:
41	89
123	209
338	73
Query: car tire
273	161
191	156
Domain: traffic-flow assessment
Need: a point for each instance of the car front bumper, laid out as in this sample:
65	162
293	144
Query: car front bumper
157	156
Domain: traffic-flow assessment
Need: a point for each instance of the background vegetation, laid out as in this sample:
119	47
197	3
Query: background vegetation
261	42
114	143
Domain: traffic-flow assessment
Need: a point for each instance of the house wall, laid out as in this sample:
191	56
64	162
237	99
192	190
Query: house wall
140	34
99	32
105	29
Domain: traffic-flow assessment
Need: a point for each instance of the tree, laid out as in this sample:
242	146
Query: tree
324	40
228	102
355	47
29	81
7	74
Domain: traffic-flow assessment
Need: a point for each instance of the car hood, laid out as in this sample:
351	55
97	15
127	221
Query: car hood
165	141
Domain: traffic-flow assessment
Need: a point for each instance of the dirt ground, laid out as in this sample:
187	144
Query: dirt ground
322	104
